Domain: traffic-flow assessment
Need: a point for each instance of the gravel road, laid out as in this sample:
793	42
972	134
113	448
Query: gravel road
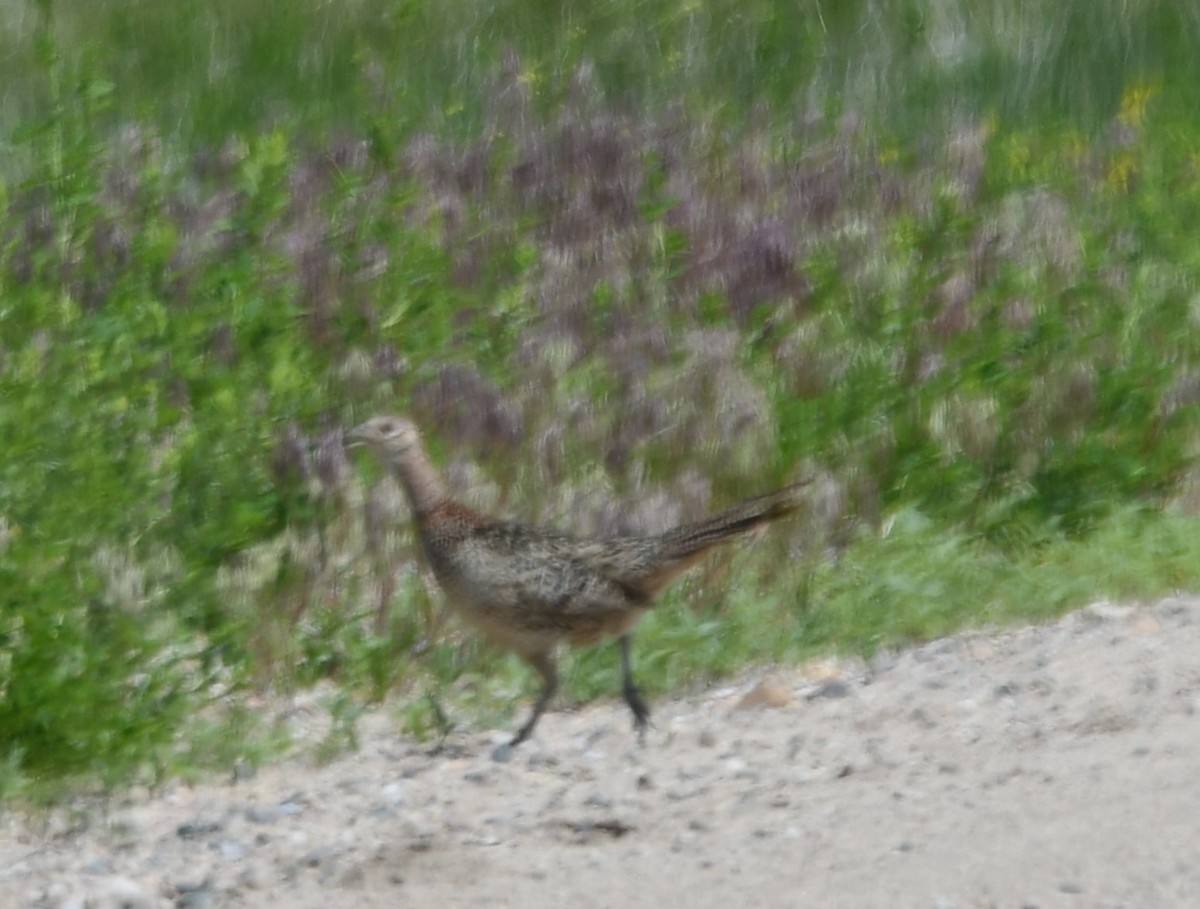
1040	767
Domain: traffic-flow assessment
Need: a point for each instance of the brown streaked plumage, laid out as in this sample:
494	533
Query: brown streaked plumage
529	589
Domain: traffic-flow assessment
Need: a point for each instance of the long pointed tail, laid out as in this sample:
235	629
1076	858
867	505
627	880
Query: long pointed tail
687	541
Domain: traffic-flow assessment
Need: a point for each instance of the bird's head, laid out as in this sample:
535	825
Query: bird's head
388	437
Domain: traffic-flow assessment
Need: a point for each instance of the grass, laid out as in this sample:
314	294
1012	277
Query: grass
202	73
942	265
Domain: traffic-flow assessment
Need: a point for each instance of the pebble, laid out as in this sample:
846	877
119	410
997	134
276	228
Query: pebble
99	864
320	856
55	894
259	814
201	898
883	661
477	840
195	829
122	893
832	689
394	793
1145	625
291	807
766	693
1104	611
255	875
231	850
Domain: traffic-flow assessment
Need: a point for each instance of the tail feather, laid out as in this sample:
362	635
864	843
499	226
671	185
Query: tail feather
689	540
674	552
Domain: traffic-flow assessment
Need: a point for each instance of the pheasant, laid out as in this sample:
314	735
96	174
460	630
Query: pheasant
529	589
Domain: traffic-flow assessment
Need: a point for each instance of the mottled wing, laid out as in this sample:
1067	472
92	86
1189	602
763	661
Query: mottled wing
535	582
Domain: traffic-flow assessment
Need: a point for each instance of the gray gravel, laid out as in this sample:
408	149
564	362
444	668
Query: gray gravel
1042	767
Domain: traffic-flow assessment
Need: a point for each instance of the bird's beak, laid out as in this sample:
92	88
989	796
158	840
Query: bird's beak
355	438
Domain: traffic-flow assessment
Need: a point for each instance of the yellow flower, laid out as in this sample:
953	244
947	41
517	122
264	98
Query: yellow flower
1122	170
1134	102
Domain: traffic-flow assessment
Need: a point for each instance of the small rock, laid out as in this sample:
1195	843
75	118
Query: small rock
420	831
259	814
883	661
796	744
231	850
394	793
1042	686
766	693
98	864
254	876
191	886
920	716
681	793
1106	612
191	830
708	738
1145	624
481	840
319	856
352	877
202	898
1005	690
502	754
55	894
1177	608
1146	683
589	830
122	893
832	689
1070	887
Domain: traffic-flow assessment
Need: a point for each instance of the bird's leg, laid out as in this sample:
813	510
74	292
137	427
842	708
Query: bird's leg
544	664
641	713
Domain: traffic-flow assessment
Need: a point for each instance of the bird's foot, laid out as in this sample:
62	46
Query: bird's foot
641	713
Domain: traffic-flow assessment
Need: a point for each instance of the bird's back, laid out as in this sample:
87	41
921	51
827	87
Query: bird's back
527	586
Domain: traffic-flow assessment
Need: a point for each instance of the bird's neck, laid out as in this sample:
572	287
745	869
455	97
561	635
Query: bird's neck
420	480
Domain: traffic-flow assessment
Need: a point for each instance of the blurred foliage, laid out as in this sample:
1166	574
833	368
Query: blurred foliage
207	70
979	341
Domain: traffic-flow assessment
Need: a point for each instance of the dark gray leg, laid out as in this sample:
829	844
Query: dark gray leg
544	664
641	713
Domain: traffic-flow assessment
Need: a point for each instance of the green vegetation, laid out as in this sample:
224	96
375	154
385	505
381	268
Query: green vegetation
954	285
204	70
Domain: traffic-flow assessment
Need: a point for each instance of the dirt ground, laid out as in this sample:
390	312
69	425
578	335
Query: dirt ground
1041	767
